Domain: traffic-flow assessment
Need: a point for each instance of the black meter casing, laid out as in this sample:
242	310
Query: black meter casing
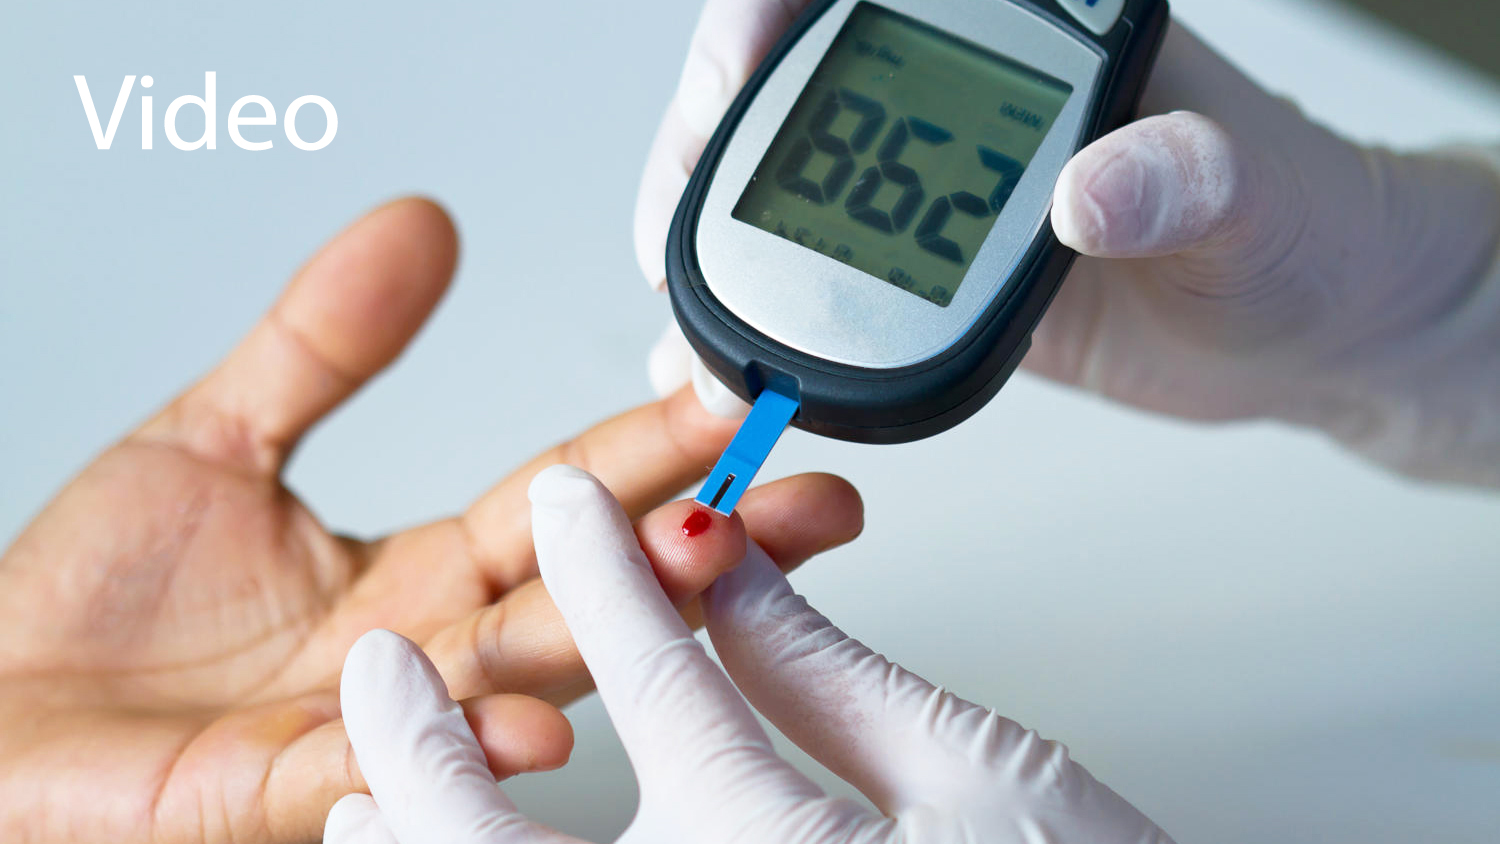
912	402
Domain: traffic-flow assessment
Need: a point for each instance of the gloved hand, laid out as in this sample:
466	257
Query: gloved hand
937	768
1241	260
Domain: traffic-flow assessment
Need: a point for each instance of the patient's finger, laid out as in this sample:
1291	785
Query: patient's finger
690	737
343	318
796	518
645	456
520	644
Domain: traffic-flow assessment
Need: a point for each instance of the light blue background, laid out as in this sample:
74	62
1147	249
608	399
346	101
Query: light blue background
1248	633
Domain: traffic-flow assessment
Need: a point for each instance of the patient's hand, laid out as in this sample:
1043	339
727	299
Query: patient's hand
172	625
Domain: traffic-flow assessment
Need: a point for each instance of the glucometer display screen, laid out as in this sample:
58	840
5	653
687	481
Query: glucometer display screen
899	154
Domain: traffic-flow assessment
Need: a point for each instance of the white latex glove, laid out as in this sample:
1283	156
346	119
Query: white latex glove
672	363
1245	261
940	770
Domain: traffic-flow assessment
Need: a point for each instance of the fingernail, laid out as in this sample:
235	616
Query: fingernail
561	486
714	396
670	363
702	93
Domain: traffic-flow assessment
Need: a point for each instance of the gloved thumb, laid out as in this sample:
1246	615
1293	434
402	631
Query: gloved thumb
1159	186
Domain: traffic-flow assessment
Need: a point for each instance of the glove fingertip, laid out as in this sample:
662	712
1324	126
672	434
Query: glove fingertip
673	152
703	92
355	819
1076	220
562	487
714	396
573	517
670	362
1161	185
386	679
372	655
1107	197
651	238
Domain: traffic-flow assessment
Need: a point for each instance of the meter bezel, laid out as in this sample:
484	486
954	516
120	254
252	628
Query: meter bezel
904	402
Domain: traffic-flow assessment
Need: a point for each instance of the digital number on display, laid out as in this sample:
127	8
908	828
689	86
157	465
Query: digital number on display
901	151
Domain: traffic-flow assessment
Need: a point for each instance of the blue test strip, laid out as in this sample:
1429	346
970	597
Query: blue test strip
749	449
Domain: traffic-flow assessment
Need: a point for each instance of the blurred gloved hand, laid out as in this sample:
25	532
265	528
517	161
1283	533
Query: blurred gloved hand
937	768
1241	261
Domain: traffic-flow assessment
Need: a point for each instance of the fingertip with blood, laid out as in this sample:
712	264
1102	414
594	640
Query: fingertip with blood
689	546
697	523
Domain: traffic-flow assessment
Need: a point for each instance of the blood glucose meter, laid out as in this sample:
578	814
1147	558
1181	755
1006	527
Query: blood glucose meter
866	234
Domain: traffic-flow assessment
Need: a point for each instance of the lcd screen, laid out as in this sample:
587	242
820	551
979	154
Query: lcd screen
900	152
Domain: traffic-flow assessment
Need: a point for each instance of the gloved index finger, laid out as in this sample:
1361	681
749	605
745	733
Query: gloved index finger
690	737
424	766
731	38
901	741
729	41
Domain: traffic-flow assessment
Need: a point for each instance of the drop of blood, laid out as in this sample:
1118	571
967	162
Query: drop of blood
697	523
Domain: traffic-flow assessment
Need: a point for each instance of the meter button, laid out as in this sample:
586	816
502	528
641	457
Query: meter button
1097	15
